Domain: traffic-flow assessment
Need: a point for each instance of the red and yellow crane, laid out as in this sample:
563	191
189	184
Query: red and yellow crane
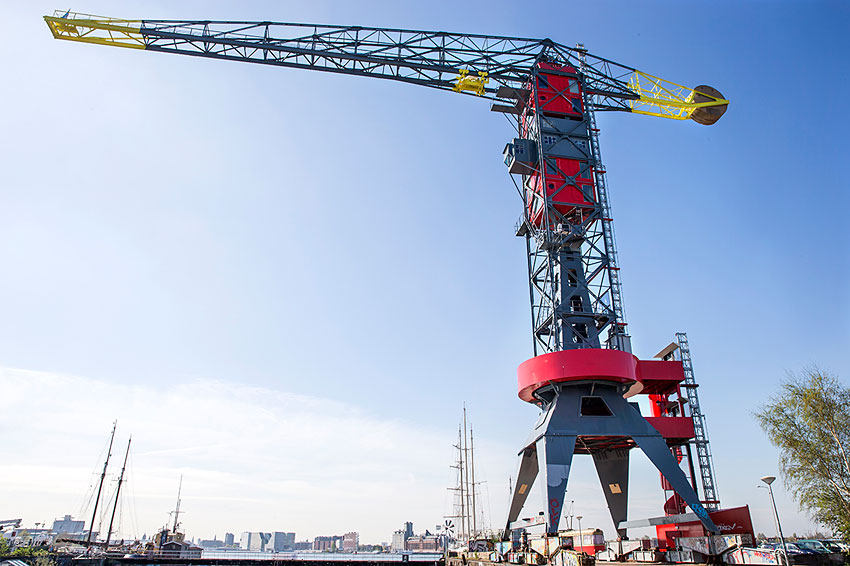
583	370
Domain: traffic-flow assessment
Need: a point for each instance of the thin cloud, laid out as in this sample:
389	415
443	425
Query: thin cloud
252	458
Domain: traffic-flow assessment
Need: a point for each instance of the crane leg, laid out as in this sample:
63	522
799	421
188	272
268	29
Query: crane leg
555	452
612	467
528	468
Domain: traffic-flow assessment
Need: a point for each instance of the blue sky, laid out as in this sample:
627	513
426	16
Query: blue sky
213	235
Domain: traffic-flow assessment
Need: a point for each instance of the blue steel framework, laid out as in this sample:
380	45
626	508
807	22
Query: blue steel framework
575	296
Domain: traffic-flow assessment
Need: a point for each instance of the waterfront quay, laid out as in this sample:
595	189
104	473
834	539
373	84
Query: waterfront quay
257	559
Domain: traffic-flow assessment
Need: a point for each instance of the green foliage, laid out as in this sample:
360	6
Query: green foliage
809	421
37	556
4	547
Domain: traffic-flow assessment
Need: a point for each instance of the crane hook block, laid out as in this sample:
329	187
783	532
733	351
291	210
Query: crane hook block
470	83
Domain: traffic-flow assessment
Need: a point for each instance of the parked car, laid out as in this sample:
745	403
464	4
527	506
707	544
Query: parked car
816	545
835	546
792	548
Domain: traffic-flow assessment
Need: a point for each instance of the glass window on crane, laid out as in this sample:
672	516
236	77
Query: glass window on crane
542	82
574	86
576	105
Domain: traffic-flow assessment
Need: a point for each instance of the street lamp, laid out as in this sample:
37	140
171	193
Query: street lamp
580	537
769	480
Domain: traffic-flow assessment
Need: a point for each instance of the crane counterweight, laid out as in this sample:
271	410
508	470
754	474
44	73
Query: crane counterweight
707	115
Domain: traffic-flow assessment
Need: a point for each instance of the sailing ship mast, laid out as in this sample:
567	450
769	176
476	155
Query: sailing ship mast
100	486
466	503
117	494
472	477
177	509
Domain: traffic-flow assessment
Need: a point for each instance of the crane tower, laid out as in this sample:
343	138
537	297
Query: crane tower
583	372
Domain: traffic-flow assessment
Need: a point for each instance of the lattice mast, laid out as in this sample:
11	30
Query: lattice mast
711	499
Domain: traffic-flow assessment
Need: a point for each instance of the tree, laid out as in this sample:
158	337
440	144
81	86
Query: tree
809	421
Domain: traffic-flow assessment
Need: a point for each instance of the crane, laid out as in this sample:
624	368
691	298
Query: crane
582	371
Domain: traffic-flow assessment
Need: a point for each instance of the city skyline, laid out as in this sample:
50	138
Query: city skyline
286	284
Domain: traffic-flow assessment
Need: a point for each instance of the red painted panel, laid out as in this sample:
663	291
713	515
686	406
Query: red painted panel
660	370
673	428
565	197
660	377
559	94
575	365
733	521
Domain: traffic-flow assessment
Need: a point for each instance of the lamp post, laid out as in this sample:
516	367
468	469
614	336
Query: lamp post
769	480
580	536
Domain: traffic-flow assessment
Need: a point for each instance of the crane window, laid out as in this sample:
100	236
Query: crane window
595	407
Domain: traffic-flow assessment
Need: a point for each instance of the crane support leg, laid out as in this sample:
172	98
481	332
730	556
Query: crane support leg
658	452
592	417
555	453
612	467
528	469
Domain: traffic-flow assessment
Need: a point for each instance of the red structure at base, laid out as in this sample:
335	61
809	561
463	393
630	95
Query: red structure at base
660	380
732	521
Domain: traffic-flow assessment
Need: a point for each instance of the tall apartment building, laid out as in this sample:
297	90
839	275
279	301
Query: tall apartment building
228	539
350	542
398	543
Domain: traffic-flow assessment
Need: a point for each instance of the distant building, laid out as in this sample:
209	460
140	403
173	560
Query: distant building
424	543
350	541
303	545
211	543
228	539
68	525
259	541
181	549
278	542
408	530
245	541
398	542
327	543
